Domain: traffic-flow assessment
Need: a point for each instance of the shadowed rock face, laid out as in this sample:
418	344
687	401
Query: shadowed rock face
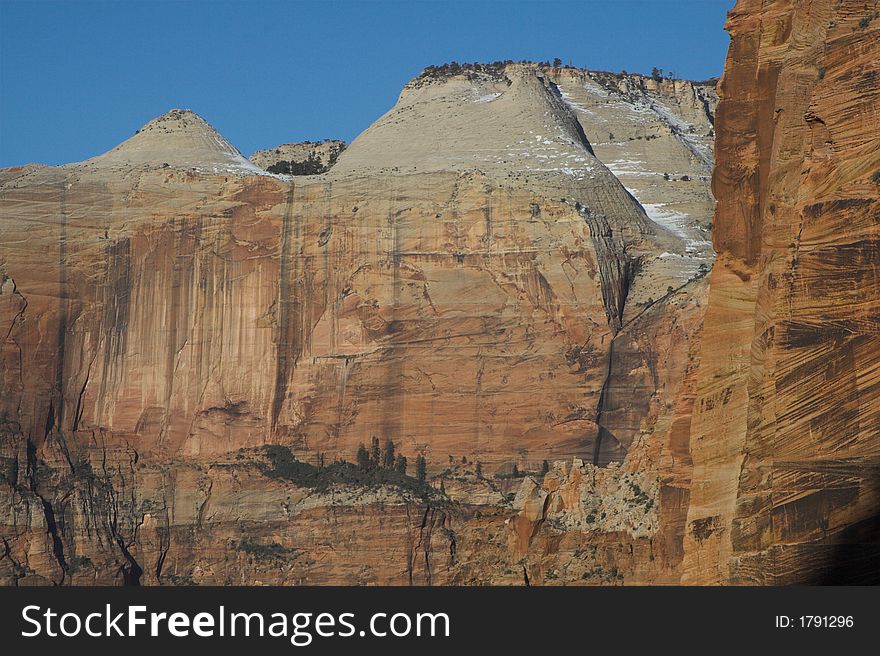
787	416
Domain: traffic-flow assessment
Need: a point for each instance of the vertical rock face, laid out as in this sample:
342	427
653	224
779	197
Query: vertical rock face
656	137
787	416
505	270
505	275
190	343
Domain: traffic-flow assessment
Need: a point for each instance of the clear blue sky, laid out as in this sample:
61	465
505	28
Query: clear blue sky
77	78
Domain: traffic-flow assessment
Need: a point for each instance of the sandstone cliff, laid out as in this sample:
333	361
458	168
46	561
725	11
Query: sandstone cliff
469	279
785	429
507	268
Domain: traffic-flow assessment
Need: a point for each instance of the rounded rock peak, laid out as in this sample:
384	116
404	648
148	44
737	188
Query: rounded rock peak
179	139
177	120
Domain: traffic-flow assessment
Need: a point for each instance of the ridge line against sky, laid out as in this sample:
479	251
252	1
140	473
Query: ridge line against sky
77	78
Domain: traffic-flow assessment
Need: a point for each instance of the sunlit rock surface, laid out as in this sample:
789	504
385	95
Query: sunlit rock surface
506	275
786	427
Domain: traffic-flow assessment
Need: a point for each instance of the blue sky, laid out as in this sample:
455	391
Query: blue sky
78	77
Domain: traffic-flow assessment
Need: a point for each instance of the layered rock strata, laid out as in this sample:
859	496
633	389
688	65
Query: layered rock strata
170	309
495	274
787	416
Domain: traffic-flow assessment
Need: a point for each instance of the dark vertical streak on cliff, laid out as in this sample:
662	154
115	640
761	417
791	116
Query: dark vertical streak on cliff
603	434
393	409
186	244
326	248
616	269
55	414
288	322
131	575
115	312
616	273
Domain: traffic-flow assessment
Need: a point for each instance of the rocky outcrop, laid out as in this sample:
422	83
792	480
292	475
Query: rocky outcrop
301	158
785	428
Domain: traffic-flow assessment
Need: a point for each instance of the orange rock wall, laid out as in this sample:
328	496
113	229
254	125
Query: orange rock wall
786	429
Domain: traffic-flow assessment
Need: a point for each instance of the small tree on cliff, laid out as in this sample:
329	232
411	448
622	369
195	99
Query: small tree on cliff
545	467
388	454
400	464
657	74
363	458
421	468
375	453
479	469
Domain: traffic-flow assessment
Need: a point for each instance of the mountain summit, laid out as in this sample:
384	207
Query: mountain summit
180	138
